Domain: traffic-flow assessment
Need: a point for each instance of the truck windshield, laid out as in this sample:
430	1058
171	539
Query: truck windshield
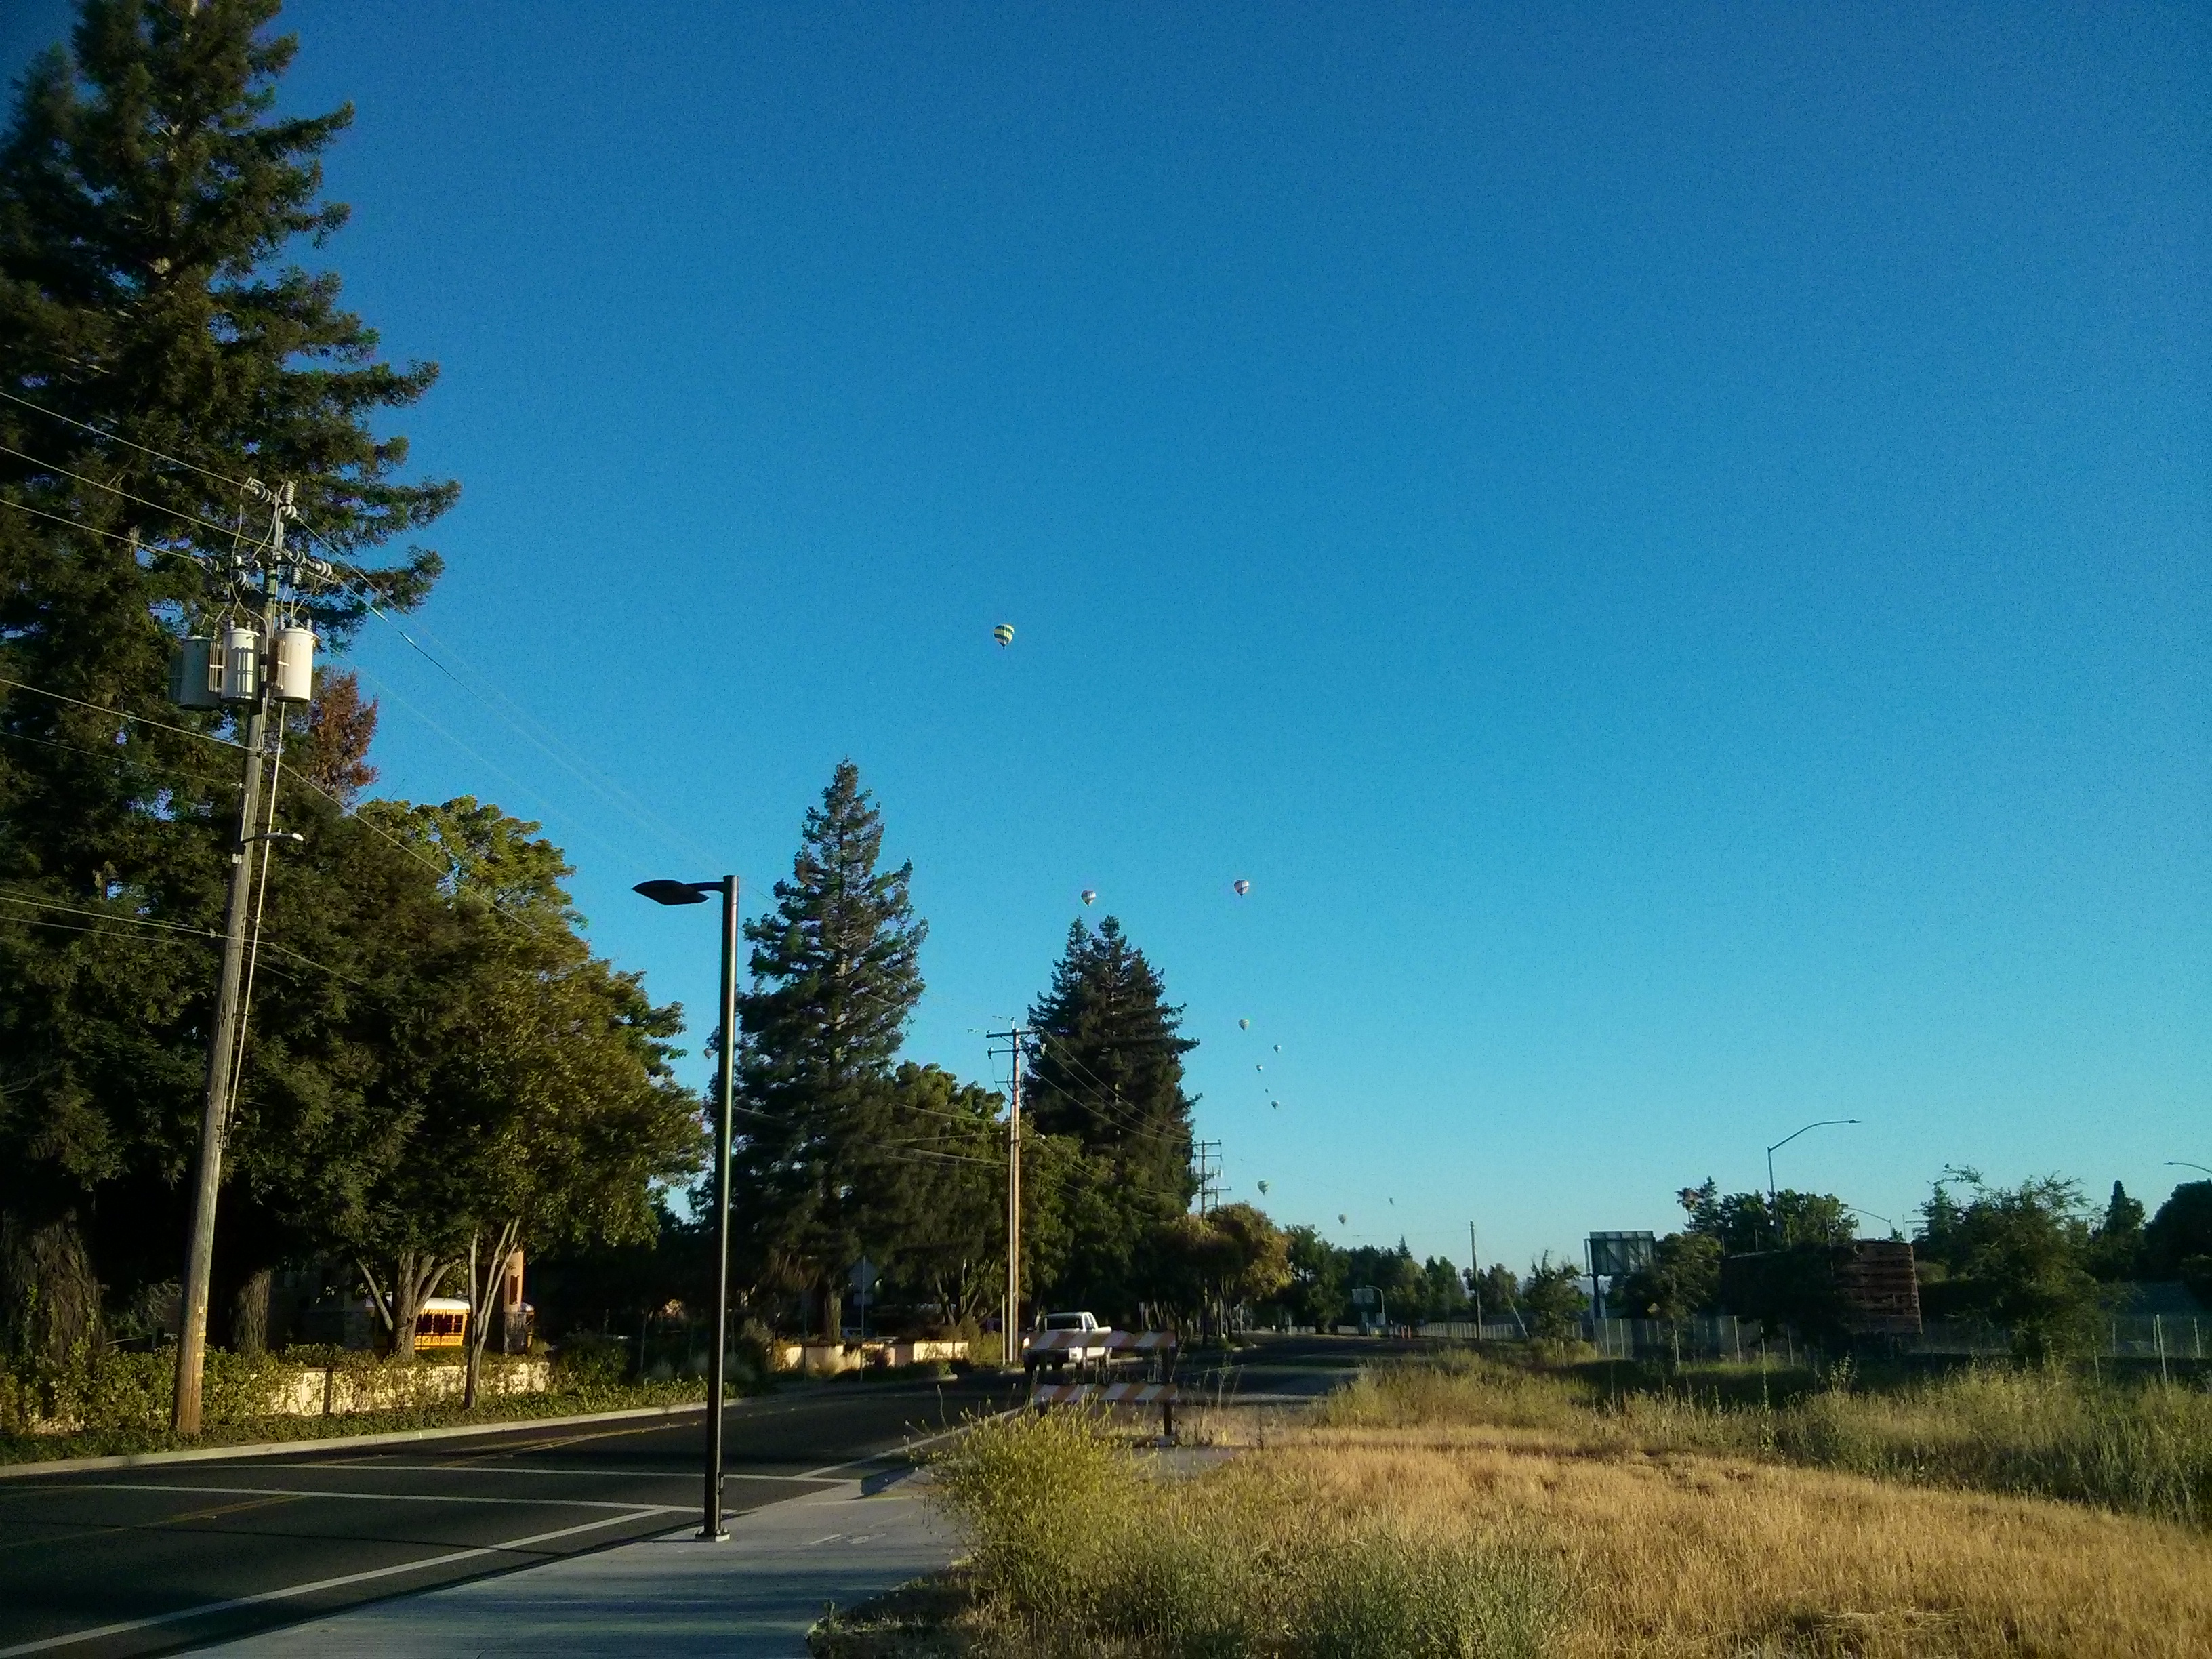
1063	1321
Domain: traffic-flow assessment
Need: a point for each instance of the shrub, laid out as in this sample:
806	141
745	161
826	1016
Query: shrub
587	1359
1076	1549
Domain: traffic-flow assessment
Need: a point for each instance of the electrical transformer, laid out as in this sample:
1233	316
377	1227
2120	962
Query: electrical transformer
241	664
196	674
293	680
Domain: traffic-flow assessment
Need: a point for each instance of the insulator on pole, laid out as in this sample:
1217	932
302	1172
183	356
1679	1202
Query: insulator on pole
196	674
241	664
293	679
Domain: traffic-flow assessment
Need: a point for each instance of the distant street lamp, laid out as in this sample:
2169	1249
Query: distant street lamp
2184	1163
1773	1199
695	892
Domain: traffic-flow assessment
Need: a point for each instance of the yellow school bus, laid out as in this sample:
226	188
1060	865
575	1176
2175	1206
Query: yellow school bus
442	1322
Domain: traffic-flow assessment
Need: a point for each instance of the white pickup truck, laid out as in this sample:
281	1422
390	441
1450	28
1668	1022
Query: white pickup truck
1067	1338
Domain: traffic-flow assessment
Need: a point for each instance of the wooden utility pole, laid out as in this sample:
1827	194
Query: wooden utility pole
1010	1324
248	668
1475	1280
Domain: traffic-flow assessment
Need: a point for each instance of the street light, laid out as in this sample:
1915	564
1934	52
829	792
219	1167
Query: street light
2184	1163
1772	1197
695	892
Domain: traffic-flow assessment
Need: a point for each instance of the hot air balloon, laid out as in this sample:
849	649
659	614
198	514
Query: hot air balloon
1278	1047
1243	1025
1263	1189
1090	895
1242	886
1341	1222
1004	633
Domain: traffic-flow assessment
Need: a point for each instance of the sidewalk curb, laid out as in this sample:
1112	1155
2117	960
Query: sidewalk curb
310	1443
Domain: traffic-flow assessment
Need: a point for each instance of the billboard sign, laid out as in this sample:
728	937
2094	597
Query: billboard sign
1615	1255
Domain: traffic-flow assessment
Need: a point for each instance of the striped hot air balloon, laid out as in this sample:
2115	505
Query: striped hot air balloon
1090	895
1243	1025
1242	886
1004	633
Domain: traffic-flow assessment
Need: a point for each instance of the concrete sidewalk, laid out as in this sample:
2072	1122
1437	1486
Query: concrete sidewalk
751	1597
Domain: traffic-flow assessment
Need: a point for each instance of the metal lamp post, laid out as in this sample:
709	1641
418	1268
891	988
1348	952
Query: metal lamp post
2184	1163
695	892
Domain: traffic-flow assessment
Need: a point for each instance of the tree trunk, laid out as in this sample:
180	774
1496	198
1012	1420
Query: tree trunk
49	1298
833	1313
487	1281
249	1314
416	1278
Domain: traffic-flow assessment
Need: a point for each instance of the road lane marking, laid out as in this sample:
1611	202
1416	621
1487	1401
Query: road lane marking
261	1598
365	1497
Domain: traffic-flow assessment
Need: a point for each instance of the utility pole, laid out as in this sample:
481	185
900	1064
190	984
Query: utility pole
1474	1278
247	656
1010	1328
1208	1169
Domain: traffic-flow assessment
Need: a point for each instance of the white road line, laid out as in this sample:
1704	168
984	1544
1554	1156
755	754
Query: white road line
366	1496
291	1591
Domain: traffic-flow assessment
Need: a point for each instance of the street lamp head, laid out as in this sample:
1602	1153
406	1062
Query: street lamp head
672	892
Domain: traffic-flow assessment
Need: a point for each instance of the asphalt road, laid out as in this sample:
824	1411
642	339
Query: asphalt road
166	1557
106	1563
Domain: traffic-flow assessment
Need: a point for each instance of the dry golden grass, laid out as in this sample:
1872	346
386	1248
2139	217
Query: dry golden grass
1464	1509
1692	1553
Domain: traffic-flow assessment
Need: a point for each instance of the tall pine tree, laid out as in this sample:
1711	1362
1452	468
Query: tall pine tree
1107	1072
150	203
836	975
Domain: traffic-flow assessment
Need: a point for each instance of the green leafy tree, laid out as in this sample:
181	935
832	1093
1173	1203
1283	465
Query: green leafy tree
1498	1290
518	1089
1744	1222
936	1222
1444	1291
2177	1242
151	205
1682	1278
2116	1244
836	974
1106	1072
1315	1292
2016	1256
1255	1255
1553	1300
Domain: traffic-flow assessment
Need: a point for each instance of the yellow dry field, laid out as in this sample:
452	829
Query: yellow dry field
1677	1554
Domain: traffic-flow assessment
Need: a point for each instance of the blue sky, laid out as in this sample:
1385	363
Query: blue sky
1672	551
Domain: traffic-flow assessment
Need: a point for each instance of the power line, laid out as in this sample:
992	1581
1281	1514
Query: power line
114	437
359	582
443	872
230	530
121	714
170	927
79	524
514	715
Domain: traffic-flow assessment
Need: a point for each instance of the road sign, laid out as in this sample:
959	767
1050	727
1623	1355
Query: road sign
864	1276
